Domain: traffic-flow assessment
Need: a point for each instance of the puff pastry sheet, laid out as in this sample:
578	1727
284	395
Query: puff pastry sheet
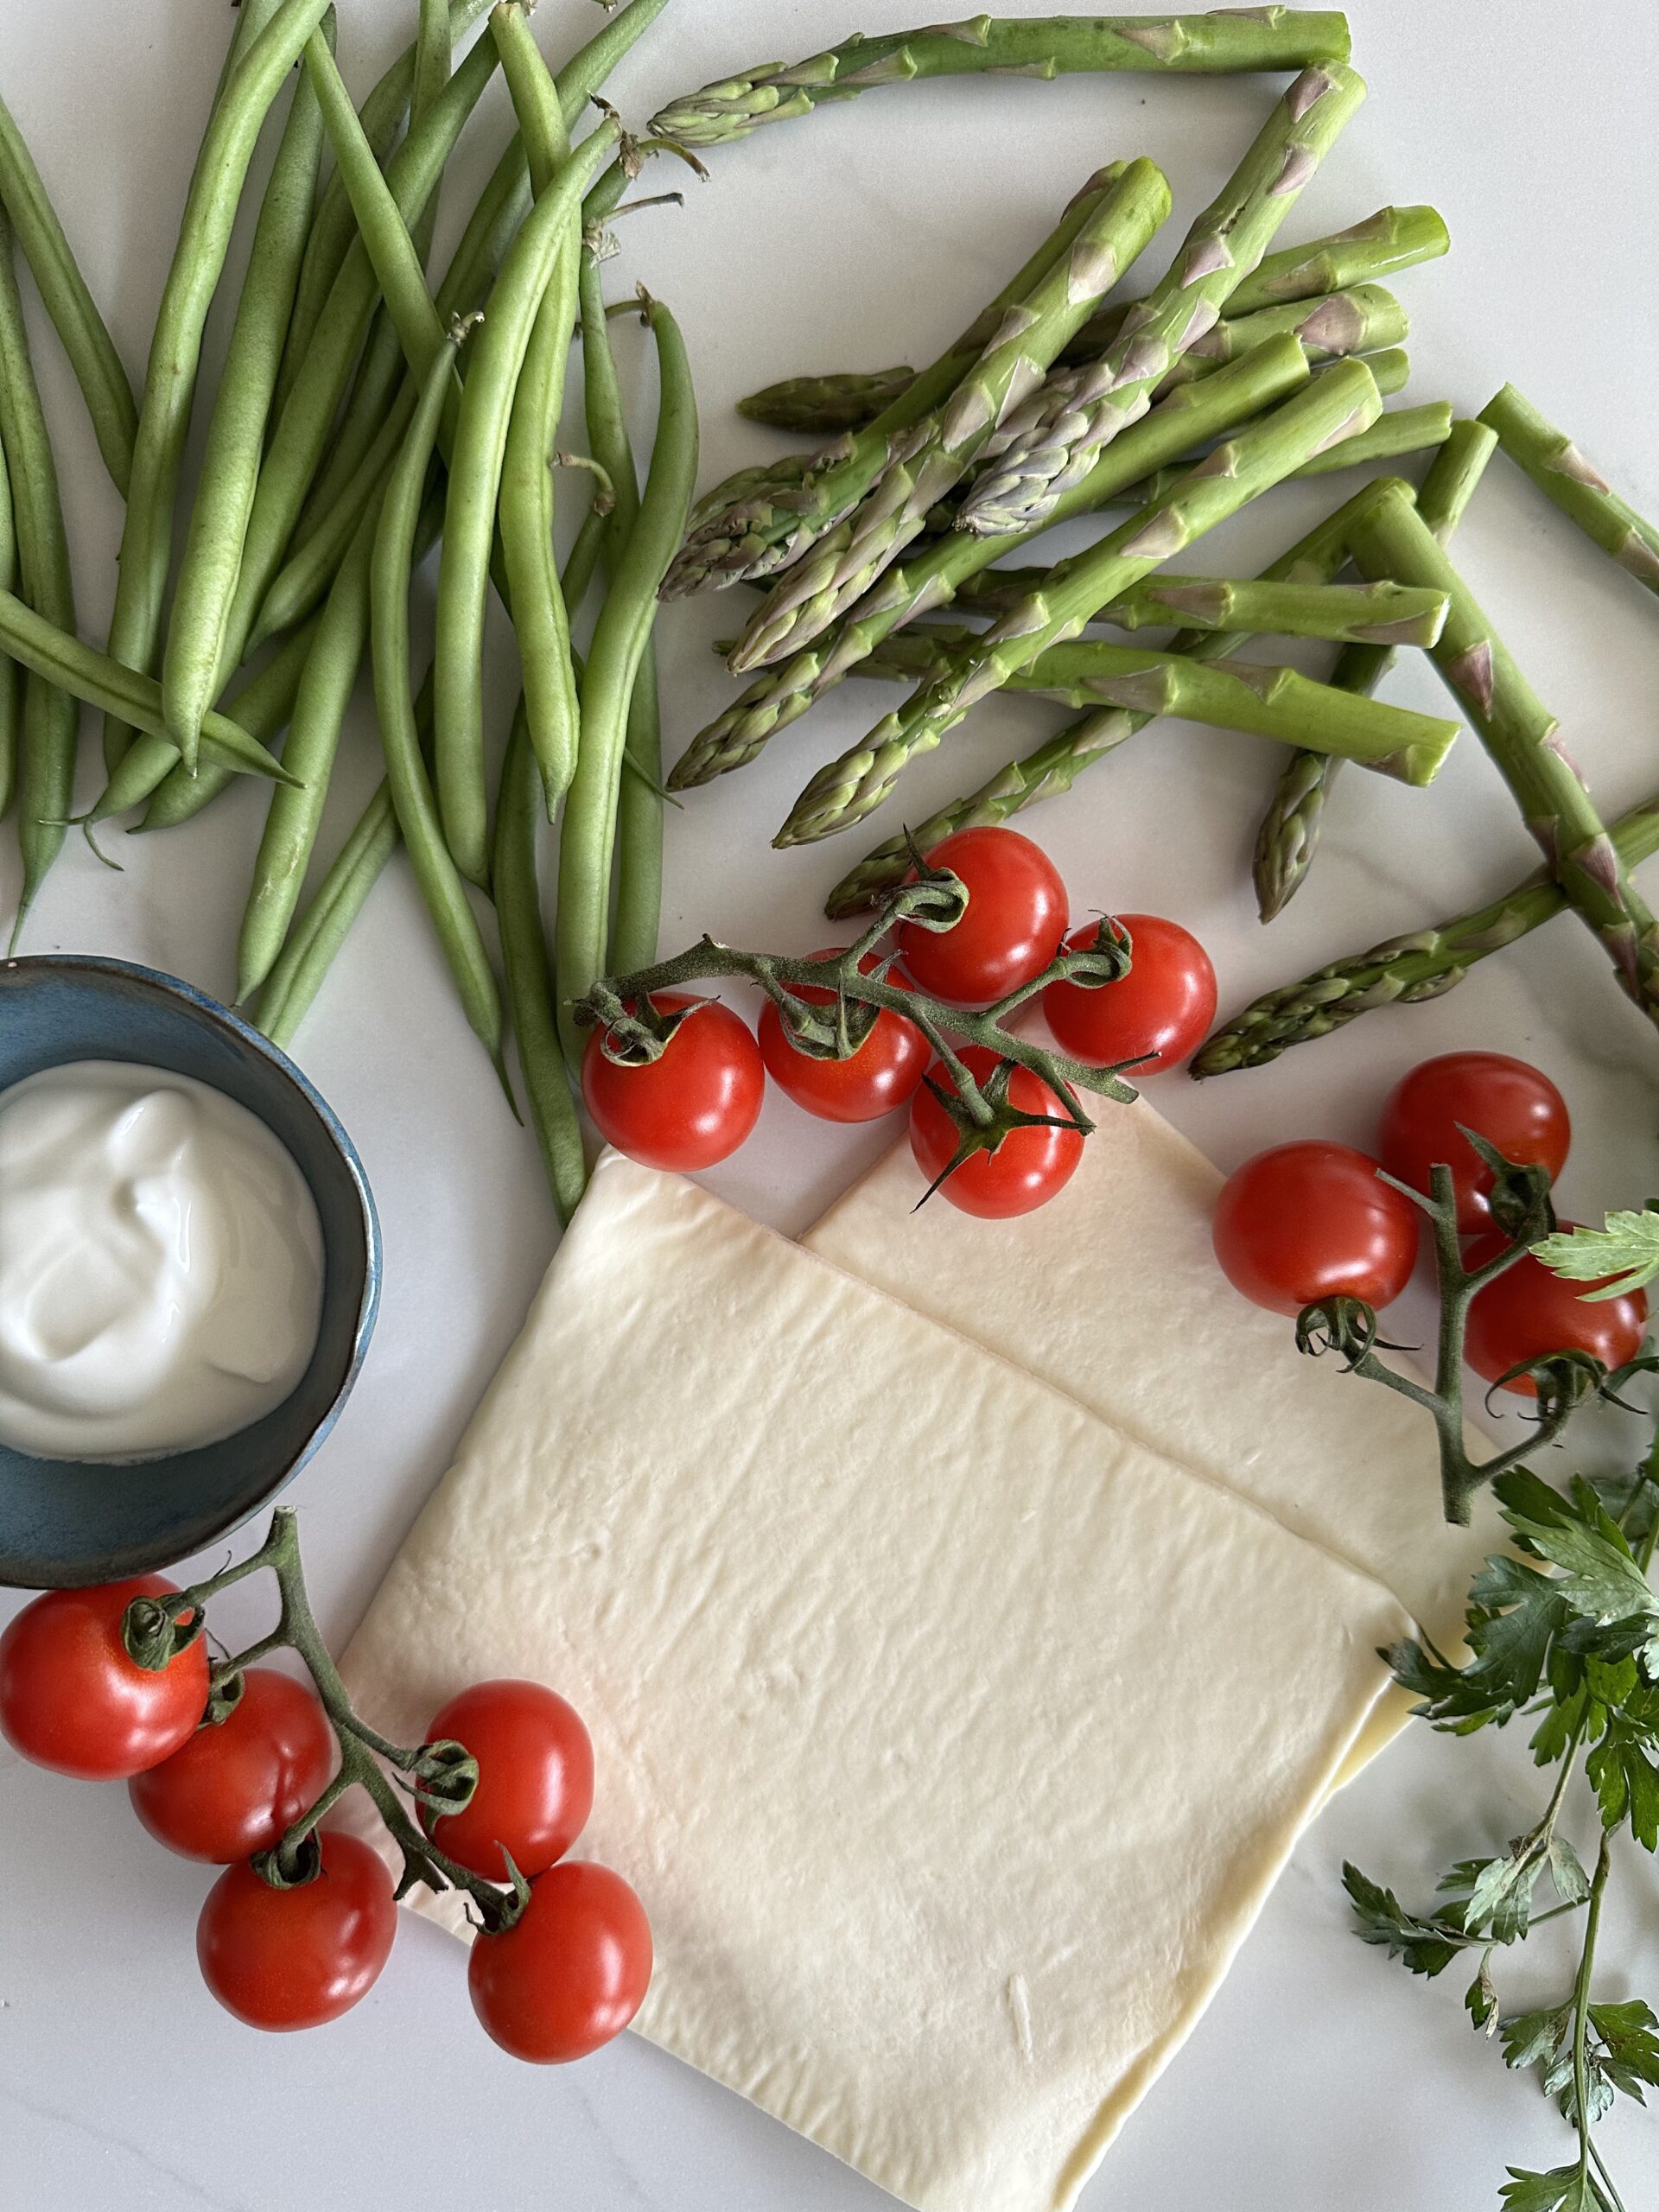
953	1735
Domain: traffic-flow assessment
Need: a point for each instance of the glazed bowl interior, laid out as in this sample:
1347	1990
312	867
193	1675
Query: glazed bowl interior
65	1522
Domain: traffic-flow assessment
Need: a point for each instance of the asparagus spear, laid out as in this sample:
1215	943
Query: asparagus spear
933	577
760	521
1377	613
1344	399
1330	325
1060	434
1563	475
1226	42
1405	970
1290	835
1523	739
1407	430
826	407
1392	239
1054	766
842	565
1277	703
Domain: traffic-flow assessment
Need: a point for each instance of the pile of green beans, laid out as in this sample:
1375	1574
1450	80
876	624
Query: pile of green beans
355	426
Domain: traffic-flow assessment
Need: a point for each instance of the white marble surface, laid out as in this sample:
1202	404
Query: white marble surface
1321	2078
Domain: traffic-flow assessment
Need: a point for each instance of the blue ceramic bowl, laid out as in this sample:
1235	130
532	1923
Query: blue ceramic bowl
65	1522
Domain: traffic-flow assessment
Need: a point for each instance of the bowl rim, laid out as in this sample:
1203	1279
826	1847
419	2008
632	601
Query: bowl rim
142	1559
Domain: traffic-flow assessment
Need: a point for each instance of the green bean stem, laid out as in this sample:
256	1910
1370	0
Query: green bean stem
476	462
176	346
86	342
589	838
530	978
51	716
440	882
550	705
236	436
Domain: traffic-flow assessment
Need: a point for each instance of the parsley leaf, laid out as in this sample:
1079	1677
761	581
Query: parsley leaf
1426	1946
1627	1250
1564	2189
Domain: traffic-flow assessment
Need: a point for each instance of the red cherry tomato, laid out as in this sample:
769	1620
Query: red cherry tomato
1012	929
692	1105
72	1700
234	1788
1511	1104
285	1959
1310	1221
1027	1167
535	1778
570	1972
1528	1311
1162	1008
882	1074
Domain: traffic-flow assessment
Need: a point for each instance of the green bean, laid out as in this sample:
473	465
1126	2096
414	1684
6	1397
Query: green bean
304	423
149	764
51	716
440	884
263	707
639	805
469	518
175	347
382	226
620	639
236	436
527	518
322	928
325	692
63	663
530	979
80	328
11	676
335	226
321	544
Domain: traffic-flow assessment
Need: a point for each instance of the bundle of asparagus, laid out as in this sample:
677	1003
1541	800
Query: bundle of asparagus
1177	405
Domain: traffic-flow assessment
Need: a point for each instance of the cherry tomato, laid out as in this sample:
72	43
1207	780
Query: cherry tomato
535	1778
1012	929
1530	1312
692	1105
570	1972
1309	1221
1027	1167
233	1789
1163	1008
1511	1105
882	1074
285	1959
72	1700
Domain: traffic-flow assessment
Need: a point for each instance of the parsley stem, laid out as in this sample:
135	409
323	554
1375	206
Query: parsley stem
1581	2014
1609	2188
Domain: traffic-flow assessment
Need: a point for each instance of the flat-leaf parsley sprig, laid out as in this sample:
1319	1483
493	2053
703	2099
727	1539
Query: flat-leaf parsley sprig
1568	1635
